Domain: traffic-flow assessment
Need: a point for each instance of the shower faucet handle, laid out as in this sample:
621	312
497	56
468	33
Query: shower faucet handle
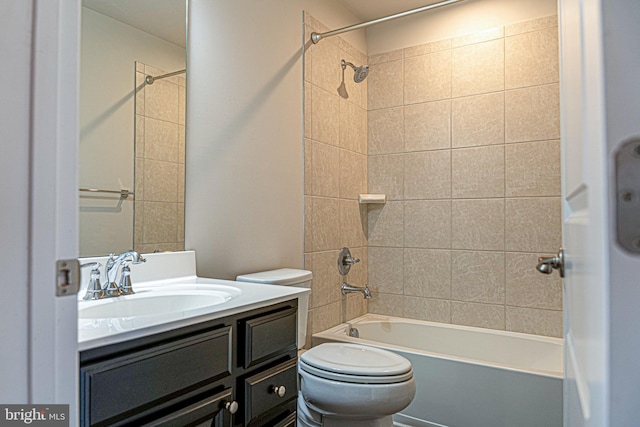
345	261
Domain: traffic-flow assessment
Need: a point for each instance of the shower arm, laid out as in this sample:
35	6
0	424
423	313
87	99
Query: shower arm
150	79
316	37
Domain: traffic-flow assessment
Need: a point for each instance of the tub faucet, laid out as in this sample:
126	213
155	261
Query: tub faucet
347	288
113	264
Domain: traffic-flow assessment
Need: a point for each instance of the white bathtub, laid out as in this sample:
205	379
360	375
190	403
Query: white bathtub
468	377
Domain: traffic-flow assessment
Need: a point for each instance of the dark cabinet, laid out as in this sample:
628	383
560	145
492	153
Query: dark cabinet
235	371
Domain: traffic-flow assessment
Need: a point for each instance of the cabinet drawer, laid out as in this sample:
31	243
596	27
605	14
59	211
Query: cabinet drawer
261	392
125	385
210	412
269	336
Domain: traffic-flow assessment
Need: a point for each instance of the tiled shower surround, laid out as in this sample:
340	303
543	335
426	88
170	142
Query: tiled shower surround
160	137
464	140
462	135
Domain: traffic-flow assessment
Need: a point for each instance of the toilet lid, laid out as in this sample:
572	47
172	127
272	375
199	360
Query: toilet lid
356	363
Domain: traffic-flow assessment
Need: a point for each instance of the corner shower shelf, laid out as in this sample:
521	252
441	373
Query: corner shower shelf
372	198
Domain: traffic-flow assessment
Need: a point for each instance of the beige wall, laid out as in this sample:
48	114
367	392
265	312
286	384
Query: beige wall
335	174
244	175
159	168
464	139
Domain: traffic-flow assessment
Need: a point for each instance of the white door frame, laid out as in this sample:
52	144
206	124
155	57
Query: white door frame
53	351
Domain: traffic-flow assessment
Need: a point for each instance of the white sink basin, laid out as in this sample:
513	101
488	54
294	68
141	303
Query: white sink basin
161	302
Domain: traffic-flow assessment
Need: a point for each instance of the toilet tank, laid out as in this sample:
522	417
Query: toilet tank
287	277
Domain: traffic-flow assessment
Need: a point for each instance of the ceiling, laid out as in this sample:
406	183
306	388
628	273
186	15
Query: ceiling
165	19
373	9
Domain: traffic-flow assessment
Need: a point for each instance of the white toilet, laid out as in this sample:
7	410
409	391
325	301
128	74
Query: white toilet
343	385
352	385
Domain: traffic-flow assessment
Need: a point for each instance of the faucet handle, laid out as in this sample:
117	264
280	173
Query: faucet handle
94	289
125	280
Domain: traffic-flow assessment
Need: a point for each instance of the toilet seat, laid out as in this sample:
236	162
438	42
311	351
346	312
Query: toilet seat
353	363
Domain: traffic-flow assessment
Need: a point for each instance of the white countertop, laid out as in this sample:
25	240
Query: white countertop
94	333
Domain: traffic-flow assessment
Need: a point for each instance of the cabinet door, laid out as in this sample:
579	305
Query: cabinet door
119	388
267	392
215	411
269	336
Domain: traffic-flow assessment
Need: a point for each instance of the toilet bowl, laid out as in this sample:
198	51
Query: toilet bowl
352	385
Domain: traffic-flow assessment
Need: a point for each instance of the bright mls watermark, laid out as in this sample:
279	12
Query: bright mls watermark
34	415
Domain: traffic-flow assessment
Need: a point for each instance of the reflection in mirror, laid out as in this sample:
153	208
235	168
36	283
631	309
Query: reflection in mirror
131	136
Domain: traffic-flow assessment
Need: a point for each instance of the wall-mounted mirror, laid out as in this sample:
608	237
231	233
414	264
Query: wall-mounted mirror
132	131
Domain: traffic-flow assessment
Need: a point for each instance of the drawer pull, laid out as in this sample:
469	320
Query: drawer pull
279	390
232	407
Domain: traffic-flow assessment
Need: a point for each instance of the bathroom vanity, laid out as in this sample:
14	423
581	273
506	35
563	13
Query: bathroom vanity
231	364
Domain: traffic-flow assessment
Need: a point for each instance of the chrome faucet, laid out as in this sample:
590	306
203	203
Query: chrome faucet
347	288
111	272
94	289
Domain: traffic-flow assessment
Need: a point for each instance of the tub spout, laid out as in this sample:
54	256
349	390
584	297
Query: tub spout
347	288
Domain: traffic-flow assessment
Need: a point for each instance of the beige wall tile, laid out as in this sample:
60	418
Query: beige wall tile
478	37
325	124
477	172
325	317
427	224
353	129
356	306
161	101
161	140
426	48
180	181
532	114
533	225
379	58
353	222
353	174
139	179
533	169
386	131
182	105
160	222
326	71
427	273
386	304
478	120
385	83
325	285
427	126
138	221
140	93
477	224
308	224
139	141
308	167
325	161
526	287
326	233
478	277
181	143
534	321
427	175
160	181
479	315
427	77
180	225
477	68
386	175
532	59
308	111
386	225
531	25
432	310
385	270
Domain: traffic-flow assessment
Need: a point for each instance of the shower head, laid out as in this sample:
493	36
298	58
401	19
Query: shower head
359	73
